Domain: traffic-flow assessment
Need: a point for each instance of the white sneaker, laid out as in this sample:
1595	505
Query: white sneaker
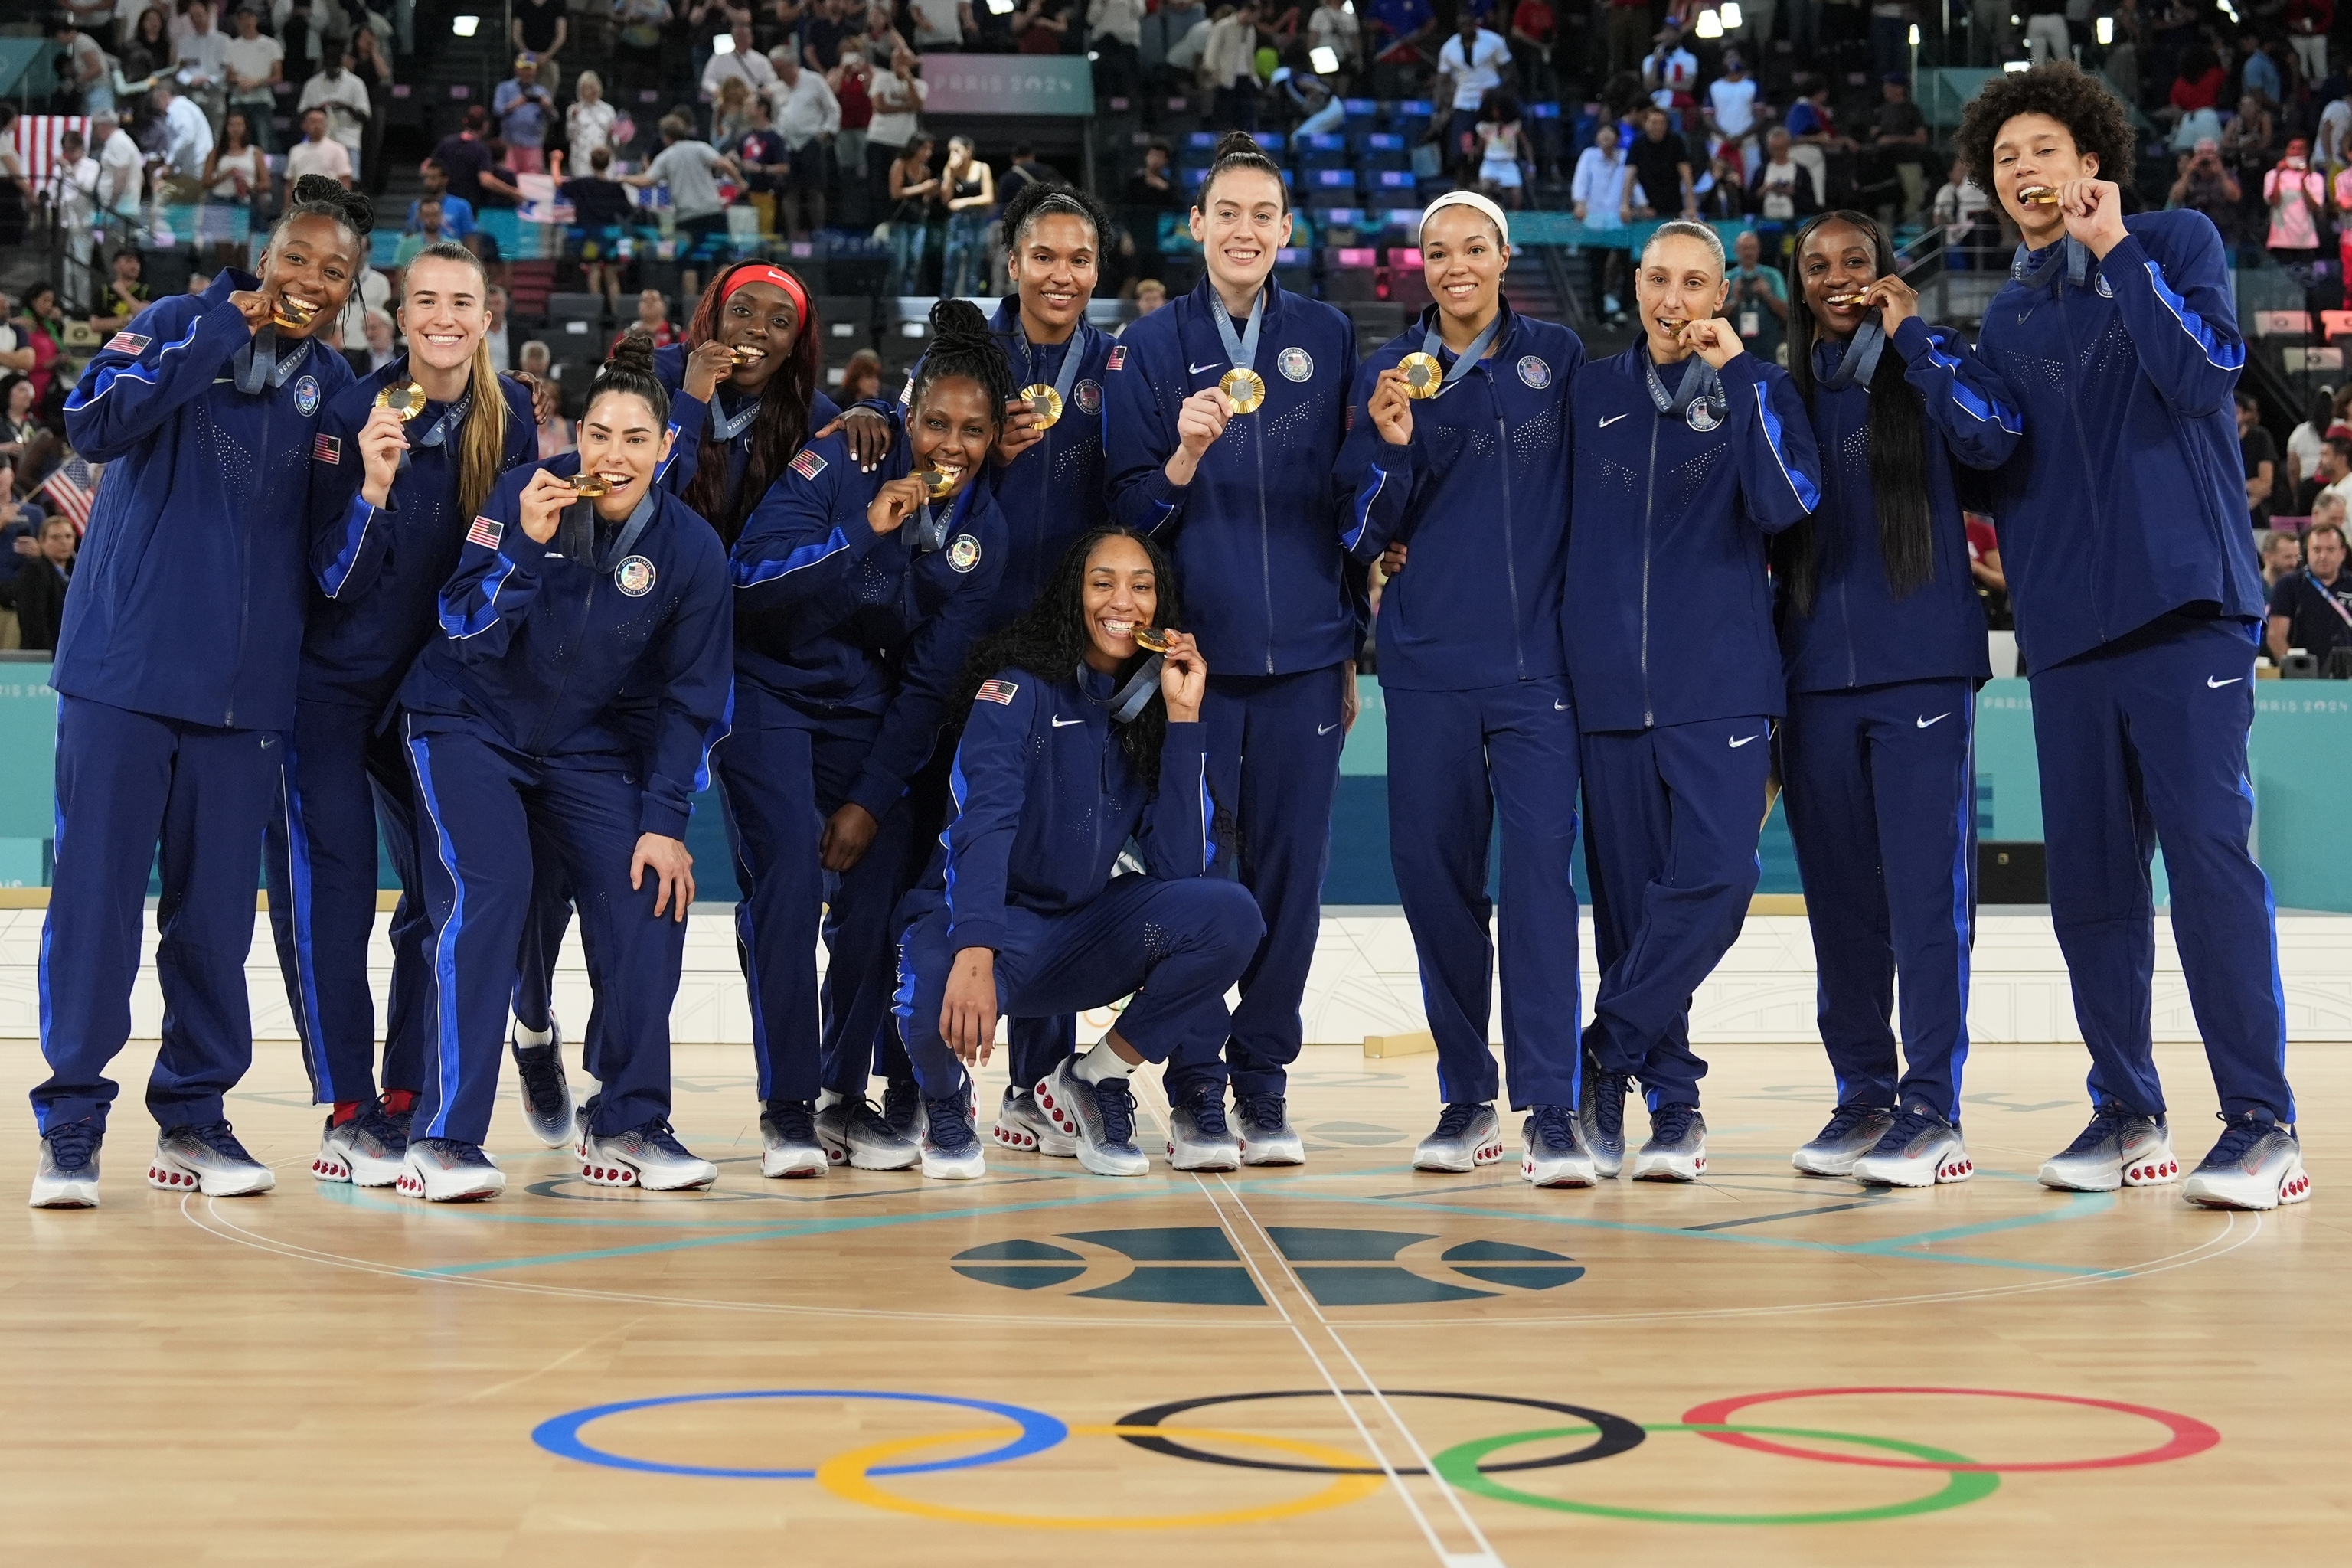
1549	1155
1199	1137
1677	1151
649	1157
67	1175
788	1145
446	1171
1020	1125
1853	1131
854	1133
1468	1134
1920	1149
1267	1137
2120	1147
368	1151
207	1158
952	1151
2258	1164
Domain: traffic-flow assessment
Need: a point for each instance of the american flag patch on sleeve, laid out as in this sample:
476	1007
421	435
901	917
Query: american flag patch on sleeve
1117	358
328	449
808	465
999	692
127	343
485	533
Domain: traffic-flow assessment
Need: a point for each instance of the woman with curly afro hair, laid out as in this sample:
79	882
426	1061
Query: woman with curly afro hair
2130	560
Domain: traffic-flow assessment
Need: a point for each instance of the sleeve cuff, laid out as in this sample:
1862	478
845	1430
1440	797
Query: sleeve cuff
1164	492
1912	339
979	932
876	792
2127	254
520	548
657	816
1743	369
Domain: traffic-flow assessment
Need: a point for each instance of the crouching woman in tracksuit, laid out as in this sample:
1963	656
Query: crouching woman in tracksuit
1469	470
1882	637
514	727
1073	743
1689	453
858	597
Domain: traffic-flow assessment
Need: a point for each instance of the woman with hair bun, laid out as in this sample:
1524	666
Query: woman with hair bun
1227	409
176	675
857	596
569	708
404	459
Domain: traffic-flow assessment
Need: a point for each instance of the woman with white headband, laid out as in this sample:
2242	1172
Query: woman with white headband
1459	454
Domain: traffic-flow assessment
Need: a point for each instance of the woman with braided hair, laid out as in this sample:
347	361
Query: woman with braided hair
857	596
175	675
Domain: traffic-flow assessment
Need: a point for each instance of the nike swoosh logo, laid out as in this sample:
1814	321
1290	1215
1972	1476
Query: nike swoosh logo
2217	685
1211	365
1743	740
1559	707
1610	420
1065	724
1930	724
1327	729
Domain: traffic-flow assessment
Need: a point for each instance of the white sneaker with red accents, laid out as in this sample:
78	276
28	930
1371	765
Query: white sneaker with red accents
1919	1150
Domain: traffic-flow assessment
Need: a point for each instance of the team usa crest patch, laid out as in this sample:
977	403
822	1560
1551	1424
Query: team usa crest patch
306	396
328	449
1701	415
1535	372
997	691
128	343
2106	290
1118	359
634	576
963	552
1087	395
1296	365
808	465
487	531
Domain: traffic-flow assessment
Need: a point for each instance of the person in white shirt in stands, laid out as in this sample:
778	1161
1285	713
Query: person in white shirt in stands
122	170
1603	191
72	192
588	123
1959	207
1472	61
187	143
255	64
202	55
807	116
941	26
1731	107
1670	74
88	69
897	100
742	63
2335	134
343	95
317	152
495	301
1334	27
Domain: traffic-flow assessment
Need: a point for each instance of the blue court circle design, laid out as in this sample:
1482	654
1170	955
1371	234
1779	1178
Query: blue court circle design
560	1434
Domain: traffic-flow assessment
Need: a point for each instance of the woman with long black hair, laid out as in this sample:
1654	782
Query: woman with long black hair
1883	639
1076	739
857	596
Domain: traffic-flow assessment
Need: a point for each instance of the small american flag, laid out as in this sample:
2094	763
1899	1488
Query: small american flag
71	486
128	343
328	449
485	533
999	692
1118	358
808	465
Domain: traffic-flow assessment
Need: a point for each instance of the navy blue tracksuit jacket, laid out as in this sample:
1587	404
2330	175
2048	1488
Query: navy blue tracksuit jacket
1044	802
1475	677
377	575
1875	754
2128	548
519	725
1053	494
1275	603
175	672
690	421
1677	677
849	644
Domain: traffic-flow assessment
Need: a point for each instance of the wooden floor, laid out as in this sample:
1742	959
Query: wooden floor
325	1375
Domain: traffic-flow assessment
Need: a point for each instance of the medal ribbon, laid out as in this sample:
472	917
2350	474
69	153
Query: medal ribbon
257	364
930	530
1130	699
2072	253
580	532
1081	343
1859	361
2327	597
727	427
1433	345
1699	380
1240	349
451	417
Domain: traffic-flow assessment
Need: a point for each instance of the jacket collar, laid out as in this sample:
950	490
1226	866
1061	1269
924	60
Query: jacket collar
1201	301
1427	322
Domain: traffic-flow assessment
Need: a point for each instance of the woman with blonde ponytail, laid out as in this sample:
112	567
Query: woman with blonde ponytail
403	461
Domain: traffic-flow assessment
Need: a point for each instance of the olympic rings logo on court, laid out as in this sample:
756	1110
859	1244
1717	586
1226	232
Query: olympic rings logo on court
857	1475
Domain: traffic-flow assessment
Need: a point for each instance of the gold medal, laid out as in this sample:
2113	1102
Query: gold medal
288	314
1045	404
1423	376
1151	639
1845	299
1245	389
744	356
585	484
937	481
405	398
2038	196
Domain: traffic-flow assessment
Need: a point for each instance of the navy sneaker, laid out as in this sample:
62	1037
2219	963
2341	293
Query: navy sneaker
1853	1131
1198	1138
788	1145
1677	1151
1267	1137
1468	1134
2258	1164
1100	1116
206	1157
1919	1148
547	1105
2120	1147
952	1151
68	1176
1602	1112
902	1108
1549	1155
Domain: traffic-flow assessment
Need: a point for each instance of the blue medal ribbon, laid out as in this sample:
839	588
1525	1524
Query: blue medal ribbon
1434	346
257	364
2069	254
727	427
1699	381
1241	349
1859	361
440	432
1130	699
1072	353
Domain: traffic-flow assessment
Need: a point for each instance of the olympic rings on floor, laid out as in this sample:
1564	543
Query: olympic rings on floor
1964	1483
1614	1433
2189	1436
1038	1431
848	1476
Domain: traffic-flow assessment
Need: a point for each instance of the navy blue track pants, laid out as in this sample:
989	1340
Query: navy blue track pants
1456	761
479	803
781	773
2140	743
1274	752
128	784
1176	946
344	777
1671	817
1881	795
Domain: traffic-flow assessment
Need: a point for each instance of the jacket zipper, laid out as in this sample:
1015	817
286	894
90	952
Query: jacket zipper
245	570
1510	545
2081	451
563	683
1264	545
1649	503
